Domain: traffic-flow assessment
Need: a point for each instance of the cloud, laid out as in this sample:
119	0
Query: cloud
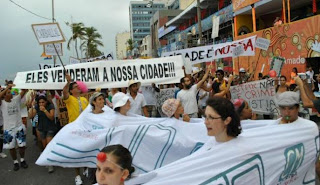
20	50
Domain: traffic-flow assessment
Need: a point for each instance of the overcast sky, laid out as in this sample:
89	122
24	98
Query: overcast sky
20	50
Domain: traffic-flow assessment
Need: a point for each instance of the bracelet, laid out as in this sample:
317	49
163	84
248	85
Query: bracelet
45	111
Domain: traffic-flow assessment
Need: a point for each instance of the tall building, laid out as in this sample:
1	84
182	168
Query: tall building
121	45
140	13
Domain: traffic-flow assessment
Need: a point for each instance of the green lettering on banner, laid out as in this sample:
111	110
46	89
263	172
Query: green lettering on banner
253	166
294	157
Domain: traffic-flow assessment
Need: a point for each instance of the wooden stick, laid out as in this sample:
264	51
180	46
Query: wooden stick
59	57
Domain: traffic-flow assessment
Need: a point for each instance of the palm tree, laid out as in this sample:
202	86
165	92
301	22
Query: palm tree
92	51
91	42
130	44
78	32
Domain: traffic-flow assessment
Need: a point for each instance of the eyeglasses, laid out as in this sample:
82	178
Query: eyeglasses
210	118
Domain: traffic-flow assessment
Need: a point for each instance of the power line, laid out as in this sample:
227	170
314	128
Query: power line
29	10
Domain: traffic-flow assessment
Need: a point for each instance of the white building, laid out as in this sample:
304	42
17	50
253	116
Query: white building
121	45
145	47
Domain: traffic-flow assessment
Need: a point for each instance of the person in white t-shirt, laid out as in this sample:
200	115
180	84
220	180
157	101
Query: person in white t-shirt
310	80
188	95
138	102
14	129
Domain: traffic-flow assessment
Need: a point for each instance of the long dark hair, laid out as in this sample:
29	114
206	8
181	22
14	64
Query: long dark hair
123	156
225	109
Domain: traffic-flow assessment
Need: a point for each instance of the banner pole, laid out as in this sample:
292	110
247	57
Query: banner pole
59	57
257	61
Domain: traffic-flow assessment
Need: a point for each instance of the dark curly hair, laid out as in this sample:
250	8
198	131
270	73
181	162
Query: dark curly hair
123	156
225	109
71	86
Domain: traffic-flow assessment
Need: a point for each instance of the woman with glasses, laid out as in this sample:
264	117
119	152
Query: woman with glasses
221	121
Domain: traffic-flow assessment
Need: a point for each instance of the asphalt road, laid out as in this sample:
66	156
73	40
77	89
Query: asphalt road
34	174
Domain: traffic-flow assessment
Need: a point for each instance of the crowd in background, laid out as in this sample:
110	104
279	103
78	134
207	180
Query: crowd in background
190	100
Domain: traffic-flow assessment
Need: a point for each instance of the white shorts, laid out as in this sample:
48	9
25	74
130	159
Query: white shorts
14	136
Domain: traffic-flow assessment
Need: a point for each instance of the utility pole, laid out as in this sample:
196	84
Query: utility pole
200	29
199	22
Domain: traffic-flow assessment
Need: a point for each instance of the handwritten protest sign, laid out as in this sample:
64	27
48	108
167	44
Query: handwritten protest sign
277	64
48	33
49	49
260	95
74	60
101	74
262	43
102	57
212	52
162	96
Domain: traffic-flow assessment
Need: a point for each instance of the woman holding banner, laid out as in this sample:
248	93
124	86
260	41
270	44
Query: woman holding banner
121	103
173	108
114	165
243	109
222	122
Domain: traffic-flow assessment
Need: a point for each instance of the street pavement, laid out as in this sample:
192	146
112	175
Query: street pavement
34	174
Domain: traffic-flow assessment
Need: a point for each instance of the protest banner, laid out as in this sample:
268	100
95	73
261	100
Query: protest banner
101	74
215	26
102	57
212	52
162	96
277	64
253	158
63	112
48	33
74	60
260	95
182	153
49	49
48	66
149	94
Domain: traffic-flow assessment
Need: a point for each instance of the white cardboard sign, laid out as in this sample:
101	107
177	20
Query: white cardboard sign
48	33
262	43
49	49
74	60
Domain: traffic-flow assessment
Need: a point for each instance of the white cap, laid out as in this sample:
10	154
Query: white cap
242	70
119	99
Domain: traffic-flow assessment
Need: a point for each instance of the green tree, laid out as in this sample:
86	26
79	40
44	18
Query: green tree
91	42
78	32
130	45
